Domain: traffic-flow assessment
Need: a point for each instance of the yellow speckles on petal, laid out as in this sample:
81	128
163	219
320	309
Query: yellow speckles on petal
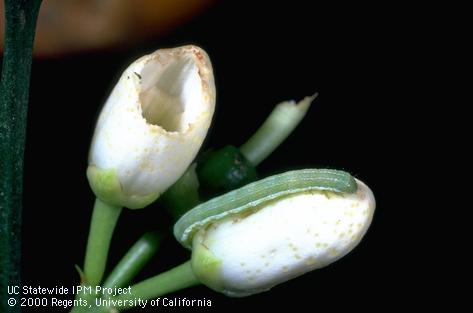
326	194
341	235
318	245
310	261
242	264
153	130
266	264
355	205
147	166
355	237
292	247
333	252
285	269
297	256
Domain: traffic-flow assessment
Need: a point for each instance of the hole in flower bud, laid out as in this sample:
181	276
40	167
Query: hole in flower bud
171	95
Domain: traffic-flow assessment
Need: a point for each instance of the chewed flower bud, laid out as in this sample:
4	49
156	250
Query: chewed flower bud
152	126
278	240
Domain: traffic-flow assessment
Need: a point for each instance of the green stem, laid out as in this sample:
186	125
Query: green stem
180	277
20	23
275	129
104	219
133	261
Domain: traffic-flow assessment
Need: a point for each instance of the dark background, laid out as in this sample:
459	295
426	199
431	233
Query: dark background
351	55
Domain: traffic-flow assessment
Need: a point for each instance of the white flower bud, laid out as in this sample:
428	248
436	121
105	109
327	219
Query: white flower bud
151	126
244	255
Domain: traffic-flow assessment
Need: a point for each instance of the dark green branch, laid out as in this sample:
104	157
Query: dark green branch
20	23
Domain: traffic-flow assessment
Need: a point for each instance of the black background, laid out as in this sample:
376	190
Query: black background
350	54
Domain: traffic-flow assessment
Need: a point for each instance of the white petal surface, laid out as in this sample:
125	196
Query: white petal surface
155	120
287	238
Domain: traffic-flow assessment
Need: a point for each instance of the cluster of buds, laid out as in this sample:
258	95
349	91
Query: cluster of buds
147	135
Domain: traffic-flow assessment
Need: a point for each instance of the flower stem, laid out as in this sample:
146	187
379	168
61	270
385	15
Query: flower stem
180	277
133	261
275	129
104	219
20	23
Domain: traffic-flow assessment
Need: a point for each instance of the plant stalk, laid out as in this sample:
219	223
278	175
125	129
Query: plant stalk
20	24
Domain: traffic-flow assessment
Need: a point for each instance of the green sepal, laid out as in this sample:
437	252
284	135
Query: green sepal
206	267
106	186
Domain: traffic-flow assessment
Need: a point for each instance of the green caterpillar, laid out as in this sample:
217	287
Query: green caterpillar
255	194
